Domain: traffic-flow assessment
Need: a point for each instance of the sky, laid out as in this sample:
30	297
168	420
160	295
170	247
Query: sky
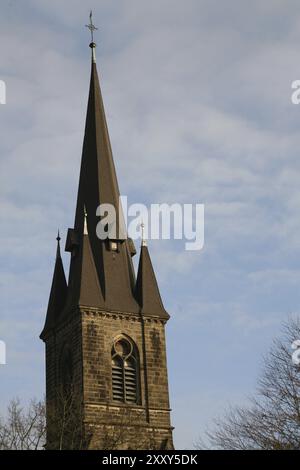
198	103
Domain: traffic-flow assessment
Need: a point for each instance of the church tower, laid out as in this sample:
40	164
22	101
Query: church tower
106	369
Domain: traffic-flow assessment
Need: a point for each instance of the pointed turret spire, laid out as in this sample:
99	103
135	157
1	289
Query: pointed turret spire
58	293
109	260
147	291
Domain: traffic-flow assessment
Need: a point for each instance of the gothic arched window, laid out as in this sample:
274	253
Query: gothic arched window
125	371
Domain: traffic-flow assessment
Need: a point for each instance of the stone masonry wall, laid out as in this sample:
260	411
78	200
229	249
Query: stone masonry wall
151	419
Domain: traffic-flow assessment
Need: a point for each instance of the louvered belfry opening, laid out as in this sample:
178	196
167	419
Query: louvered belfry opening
125	384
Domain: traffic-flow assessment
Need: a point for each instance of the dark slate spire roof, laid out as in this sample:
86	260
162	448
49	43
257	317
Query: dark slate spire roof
58	293
147	291
99	277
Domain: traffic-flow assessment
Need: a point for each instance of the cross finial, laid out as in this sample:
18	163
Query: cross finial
58	245
85	228
144	243
91	26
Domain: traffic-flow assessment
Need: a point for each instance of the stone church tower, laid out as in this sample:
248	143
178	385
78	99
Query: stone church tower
106	370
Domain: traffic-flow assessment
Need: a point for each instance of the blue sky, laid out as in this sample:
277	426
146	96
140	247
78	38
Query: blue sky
198	102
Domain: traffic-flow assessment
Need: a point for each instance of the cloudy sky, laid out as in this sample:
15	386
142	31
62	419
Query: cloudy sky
198	102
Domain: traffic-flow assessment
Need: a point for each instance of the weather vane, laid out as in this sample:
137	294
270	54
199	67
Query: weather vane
91	26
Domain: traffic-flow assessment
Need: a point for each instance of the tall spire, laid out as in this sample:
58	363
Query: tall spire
109	260
58	293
